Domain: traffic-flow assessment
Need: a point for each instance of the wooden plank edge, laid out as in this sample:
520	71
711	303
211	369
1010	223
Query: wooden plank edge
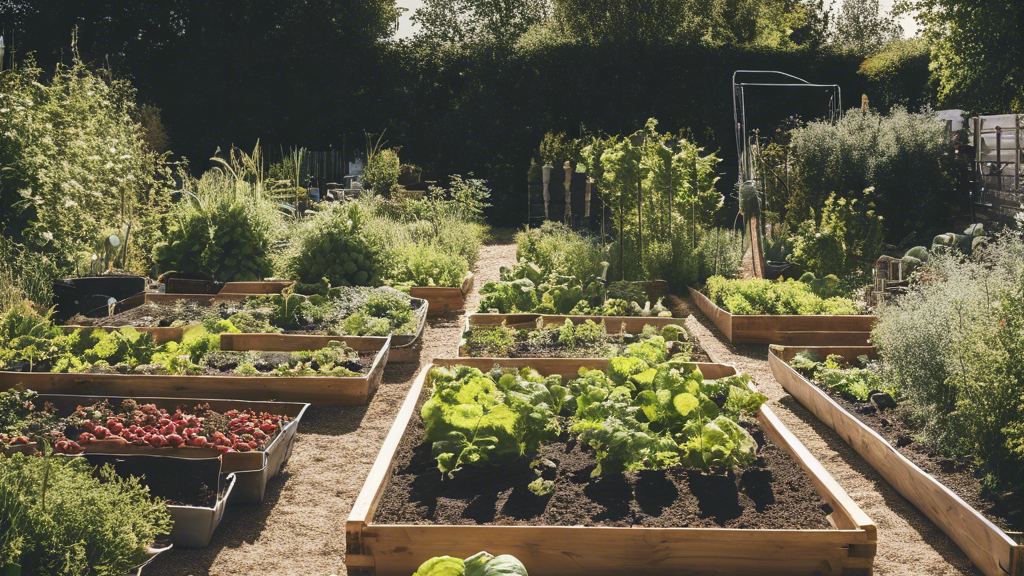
1009	550
851	516
377	480
787	352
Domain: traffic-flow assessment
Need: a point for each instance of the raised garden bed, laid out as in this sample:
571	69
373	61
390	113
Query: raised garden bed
444	299
397	548
994	551
318	390
154	319
524	343
252	469
810	330
614	324
195	491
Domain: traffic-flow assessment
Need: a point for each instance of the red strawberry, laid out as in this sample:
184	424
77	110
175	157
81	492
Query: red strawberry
268	428
223	449
100	432
85	438
197	441
114	426
241	447
21	440
88	425
157	441
167	430
175	441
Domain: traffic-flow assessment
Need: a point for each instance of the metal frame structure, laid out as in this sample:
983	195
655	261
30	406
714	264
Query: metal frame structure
739	111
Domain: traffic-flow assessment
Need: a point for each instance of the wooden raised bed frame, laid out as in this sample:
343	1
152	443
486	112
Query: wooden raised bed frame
612	324
316	390
397	550
404	347
853	330
444	299
990	549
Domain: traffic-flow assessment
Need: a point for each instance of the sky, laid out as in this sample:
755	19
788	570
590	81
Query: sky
406	28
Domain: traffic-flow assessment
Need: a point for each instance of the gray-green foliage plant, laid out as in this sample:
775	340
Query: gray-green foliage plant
902	156
953	347
75	162
59	517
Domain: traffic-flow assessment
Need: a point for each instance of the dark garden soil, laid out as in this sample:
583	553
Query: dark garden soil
1003	508
772	494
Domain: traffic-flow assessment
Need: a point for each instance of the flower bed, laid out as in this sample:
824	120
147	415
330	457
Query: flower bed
889	449
387	537
843	330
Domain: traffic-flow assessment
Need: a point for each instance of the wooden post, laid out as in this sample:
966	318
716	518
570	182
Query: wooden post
640	213
568	193
546	171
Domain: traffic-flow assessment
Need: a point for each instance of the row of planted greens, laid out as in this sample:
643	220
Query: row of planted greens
30	342
562	271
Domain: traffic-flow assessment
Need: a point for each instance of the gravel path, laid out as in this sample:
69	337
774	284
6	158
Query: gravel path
299	528
908	543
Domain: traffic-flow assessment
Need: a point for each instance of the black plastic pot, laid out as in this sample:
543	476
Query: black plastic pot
84	295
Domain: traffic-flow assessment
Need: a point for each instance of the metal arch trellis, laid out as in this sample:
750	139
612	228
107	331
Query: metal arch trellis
739	110
747	177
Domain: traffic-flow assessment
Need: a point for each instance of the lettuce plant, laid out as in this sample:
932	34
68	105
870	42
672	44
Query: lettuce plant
480	419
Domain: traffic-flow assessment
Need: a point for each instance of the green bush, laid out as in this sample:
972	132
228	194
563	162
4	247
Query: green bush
757	296
226	241
381	172
331	245
61	518
75	162
558	249
953	346
902	157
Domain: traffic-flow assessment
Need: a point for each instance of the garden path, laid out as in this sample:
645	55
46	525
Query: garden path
299	528
908	543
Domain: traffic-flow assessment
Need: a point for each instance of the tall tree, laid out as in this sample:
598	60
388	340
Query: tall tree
861	27
977	50
460	21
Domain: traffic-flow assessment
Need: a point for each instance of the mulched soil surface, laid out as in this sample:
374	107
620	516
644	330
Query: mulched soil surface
1004	509
772	494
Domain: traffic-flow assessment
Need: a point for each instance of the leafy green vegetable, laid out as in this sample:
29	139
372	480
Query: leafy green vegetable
757	296
442	566
479	419
479	564
672	417
483	564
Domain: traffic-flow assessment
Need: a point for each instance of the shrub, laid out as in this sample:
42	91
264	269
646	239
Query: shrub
68	520
382	171
953	346
903	157
331	246
557	249
898	74
75	162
